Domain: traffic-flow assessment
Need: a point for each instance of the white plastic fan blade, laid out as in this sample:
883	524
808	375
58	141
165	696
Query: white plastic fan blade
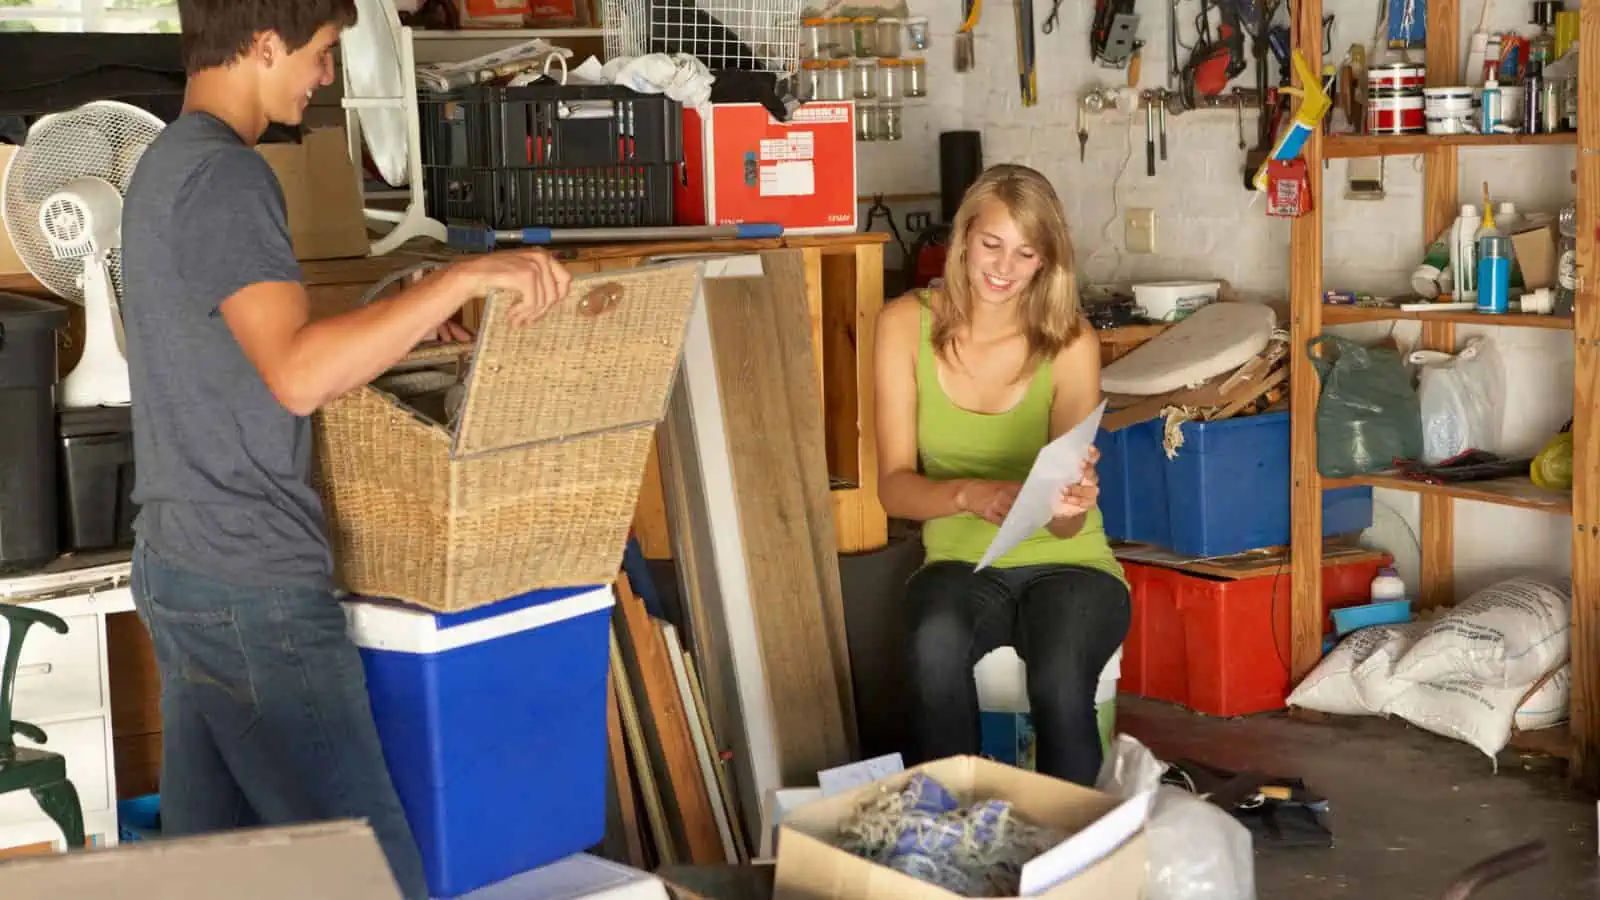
101	377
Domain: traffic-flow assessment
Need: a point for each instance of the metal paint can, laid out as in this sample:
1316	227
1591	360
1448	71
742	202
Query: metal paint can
1393	112
1397	77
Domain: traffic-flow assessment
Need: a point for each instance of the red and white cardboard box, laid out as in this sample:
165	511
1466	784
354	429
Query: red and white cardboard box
742	166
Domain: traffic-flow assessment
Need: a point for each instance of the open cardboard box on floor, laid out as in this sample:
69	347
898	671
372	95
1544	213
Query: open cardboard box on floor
1106	863
334	860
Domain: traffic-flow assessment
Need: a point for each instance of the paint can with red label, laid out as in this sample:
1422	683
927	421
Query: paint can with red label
1395	112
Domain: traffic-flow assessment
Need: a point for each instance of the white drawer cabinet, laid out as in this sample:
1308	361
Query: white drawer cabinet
63	687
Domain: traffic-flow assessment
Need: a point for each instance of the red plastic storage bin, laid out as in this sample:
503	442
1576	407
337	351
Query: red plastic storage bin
1218	646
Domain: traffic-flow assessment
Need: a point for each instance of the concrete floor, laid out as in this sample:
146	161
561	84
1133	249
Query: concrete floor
1409	809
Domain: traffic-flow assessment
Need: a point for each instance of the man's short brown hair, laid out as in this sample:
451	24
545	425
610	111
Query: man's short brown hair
217	32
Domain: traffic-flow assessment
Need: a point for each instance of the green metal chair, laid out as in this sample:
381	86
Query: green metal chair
40	772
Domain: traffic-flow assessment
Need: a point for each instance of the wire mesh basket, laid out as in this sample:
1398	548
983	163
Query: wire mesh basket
751	35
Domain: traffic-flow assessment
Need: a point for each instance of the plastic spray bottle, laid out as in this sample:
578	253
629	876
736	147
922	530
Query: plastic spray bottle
1464	254
1494	264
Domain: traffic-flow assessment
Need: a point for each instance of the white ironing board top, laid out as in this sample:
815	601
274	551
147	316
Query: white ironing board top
1216	338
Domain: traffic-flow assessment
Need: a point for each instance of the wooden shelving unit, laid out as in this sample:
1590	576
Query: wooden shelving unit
1351	146
1579	742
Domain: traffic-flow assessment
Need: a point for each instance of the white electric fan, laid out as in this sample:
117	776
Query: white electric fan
62	203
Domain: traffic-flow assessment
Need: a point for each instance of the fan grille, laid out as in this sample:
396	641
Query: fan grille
104	139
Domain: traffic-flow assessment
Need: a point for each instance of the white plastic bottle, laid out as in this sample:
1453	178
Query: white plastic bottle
1387	586
1464	253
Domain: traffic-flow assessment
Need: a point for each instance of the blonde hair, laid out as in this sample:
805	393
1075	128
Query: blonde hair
1051	313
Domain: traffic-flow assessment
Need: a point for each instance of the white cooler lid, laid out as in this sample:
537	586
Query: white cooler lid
383	625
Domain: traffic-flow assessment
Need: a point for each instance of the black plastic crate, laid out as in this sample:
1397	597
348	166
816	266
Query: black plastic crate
546	155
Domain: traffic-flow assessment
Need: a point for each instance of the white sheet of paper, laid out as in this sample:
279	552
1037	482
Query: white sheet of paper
1080	852
1058	465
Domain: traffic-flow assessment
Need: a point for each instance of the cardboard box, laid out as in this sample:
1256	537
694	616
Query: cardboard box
323	197
319	188
743	166
810	867
1535	251
334	859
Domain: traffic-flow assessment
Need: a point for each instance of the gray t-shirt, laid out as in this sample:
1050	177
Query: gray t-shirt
223	470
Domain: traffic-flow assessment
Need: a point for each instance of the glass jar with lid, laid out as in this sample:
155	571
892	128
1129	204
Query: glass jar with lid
890	125
890	30
865	32
841	37
812	74
915	72
917	32
891	79
864	78
835	80
816	41
867	120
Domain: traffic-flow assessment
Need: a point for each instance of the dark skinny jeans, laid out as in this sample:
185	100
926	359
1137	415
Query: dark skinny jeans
1065	622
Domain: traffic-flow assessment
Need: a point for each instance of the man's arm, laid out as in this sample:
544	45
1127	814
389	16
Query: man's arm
237	259
306	364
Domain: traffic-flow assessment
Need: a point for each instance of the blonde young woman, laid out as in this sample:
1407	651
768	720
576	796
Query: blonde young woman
973	378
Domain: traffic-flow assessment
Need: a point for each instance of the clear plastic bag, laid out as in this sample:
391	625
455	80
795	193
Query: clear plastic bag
1197	851
1368	415
1460	396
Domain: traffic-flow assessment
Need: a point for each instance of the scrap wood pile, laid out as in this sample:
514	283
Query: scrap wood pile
770	699
1228	359
665	759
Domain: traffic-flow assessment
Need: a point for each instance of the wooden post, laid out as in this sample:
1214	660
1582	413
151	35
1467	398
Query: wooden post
1585	716
1305	323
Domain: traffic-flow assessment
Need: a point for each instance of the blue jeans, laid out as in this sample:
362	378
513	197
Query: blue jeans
265	717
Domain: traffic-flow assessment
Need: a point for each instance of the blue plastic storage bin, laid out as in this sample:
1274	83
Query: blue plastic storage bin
1226	492
493	723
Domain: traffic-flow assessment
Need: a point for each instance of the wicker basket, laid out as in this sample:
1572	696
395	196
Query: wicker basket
535	485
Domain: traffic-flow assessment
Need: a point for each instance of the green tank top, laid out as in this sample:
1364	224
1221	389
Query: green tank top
953	442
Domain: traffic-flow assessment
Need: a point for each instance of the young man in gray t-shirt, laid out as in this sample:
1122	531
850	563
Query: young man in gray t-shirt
263	700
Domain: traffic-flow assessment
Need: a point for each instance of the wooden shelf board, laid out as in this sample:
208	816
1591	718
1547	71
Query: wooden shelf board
1556	742
1512	491
1343	314
1351	146
1130	334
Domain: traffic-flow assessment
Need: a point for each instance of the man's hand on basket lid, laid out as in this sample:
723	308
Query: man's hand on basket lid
534	276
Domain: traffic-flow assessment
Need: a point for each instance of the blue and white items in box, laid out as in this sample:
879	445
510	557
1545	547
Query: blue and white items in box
493	723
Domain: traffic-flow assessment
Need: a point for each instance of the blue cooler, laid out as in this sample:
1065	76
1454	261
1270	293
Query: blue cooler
493	724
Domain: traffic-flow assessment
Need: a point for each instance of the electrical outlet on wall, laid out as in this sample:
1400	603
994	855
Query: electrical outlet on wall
1139	230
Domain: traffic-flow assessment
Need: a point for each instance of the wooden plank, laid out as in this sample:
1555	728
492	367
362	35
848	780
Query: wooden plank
651	672
816	299
622	777
1305	323
1352	146
701	491
639	749
1515	491
650	514
869	529
1585	759
773	424
841	399
1440	204
1344	314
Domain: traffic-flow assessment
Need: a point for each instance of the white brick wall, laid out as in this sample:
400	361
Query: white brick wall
1207	226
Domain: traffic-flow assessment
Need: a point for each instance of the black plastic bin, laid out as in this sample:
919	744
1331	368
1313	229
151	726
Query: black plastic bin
29	515
96	459
548	155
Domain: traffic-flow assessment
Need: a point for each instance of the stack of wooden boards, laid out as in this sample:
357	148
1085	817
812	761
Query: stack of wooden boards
1227	359
744	473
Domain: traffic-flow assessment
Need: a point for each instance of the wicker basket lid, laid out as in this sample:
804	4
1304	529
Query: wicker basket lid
603	359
